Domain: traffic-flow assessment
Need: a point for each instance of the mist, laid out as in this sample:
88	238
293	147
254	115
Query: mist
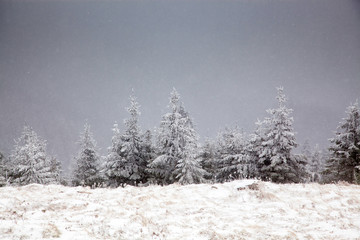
66	62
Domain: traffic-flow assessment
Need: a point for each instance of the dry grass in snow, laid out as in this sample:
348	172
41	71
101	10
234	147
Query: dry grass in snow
237	210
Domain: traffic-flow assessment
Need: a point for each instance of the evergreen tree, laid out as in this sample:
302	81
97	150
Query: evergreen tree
209	156
148	153
234	161
255	146
114	169
133	146
87	169
344	160
131	151
177	145
306	150
3	170
30	160
188	170
315	164
276	162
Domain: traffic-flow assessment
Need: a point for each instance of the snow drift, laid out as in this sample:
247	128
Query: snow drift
236	210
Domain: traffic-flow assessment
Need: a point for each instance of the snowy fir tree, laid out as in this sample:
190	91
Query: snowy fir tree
233	161
87	168
114	169
55	170
276	162
31	162
344	160
208	159
255	147
315	164
3	170
129	155
148	153
177	145
306	150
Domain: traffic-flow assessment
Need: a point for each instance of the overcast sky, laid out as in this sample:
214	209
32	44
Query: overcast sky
62	62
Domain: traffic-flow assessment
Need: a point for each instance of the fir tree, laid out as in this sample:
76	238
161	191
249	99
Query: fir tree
188	170
129	156
315	164
276	162
306	150
344	160
209	163
114	169
87	169
234	161
148	153
255	146
3	170
177	145
133	146
30	160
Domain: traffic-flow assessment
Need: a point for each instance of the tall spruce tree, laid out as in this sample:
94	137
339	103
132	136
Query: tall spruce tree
344	161
177	145
276	162
31	162
87	169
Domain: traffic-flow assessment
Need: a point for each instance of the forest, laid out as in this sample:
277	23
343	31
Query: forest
172	153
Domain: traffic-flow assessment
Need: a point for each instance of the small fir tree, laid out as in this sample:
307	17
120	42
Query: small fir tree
31	162
315	164
3	170
276	162
209	163
234	161
87	169
344	158
306	150
114	169
177	145
131	151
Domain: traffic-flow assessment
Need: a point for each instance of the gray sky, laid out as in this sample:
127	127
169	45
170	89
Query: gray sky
62	62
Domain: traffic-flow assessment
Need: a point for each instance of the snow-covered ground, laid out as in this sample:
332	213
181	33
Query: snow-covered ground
221	211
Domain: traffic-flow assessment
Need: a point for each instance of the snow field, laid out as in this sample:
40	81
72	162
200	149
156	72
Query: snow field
234	210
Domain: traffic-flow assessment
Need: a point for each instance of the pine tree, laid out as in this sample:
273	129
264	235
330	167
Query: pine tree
345	149
127	162
188	170
276	162
3	171
209	163
114	169
133	146
234	161
255	146
315	164
177	144
30	160
87	169
149	154
306	150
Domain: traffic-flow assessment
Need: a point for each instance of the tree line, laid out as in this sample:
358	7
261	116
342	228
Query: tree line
174	154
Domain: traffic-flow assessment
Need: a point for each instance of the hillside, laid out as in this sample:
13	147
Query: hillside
234	210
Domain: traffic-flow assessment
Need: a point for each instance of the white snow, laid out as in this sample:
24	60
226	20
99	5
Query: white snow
220	211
